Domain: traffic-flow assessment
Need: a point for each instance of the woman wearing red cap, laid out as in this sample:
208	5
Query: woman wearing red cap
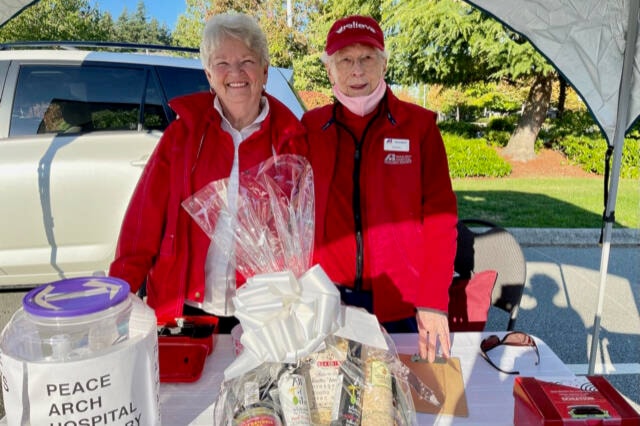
386	213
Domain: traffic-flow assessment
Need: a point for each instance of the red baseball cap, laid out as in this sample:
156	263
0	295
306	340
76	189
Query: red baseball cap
354	29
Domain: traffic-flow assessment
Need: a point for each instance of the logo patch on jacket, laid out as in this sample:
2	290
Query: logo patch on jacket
397	159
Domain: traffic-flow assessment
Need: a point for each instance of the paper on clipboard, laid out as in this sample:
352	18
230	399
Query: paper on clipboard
444	377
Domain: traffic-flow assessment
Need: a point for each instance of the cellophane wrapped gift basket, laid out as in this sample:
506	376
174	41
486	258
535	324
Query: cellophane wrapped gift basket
306	358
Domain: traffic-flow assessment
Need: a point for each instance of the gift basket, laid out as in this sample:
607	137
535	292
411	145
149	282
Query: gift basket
306	359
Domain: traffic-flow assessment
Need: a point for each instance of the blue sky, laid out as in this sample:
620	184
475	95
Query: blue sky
165	11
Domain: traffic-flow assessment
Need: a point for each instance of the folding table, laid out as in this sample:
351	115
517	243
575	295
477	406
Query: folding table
489	393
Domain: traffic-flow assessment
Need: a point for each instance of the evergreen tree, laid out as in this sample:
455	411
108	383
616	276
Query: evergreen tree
450	42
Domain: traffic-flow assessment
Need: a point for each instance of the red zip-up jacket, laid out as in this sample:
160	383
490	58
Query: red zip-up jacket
160	245
407	209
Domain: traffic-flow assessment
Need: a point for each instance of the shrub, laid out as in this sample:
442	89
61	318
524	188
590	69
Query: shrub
634	132
498	137
588	152
577	135
569	123
473	157
507	123
314	99
631	159
460	128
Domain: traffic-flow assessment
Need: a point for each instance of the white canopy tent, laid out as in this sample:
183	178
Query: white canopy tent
10	8
594	45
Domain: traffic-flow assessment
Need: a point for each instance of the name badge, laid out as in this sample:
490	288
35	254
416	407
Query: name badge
401	145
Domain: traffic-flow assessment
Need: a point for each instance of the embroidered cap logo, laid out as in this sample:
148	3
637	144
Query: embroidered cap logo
353	25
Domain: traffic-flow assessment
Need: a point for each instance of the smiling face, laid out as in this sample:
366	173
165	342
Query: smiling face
356	69
237	75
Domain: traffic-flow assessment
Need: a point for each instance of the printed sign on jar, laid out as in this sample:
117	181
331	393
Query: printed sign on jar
81	352
89	392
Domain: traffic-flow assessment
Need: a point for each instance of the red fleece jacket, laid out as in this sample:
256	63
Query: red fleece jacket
159	243
407	205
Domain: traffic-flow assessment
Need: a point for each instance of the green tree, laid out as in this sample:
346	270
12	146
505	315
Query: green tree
135	28
315	20
76	20
270	14
449	42
502	97
56	20
190	24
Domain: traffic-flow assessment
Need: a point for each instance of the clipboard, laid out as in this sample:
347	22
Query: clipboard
444	377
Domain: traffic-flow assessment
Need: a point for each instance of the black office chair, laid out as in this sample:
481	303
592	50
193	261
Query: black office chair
491	247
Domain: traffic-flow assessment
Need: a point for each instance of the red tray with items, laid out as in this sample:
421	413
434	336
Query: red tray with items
183	347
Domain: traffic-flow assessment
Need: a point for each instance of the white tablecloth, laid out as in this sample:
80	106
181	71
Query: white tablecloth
489	392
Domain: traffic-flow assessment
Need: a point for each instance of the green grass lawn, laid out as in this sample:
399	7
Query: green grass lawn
546	202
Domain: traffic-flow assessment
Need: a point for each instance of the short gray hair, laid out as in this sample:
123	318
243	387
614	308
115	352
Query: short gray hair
237	25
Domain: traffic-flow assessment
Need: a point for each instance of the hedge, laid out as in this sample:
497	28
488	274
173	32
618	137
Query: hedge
473	158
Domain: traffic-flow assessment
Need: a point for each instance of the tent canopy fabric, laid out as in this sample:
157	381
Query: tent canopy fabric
585	40
10	8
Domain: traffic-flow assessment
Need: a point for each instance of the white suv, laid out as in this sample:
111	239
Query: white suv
76	129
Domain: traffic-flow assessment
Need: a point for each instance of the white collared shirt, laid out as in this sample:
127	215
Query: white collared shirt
220	264
238	137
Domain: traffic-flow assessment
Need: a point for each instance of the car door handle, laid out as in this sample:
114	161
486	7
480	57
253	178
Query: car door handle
141	162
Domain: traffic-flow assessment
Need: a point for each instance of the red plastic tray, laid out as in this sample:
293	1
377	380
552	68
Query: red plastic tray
182	357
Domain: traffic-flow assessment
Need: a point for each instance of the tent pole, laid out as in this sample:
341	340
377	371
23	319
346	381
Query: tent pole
618	142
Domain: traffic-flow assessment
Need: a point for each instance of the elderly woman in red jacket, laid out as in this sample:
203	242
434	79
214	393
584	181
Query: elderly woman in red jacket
217	134
386	213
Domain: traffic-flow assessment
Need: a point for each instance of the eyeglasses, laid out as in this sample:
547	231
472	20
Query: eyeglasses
514	338
365	62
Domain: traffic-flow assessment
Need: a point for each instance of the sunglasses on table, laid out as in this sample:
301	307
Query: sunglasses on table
514	338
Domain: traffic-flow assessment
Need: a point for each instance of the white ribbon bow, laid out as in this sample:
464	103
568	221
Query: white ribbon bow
284	319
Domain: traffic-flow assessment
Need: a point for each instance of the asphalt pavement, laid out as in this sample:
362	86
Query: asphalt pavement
560	301
561	298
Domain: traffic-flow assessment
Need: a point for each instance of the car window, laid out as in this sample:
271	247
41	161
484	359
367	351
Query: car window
4	67
181	81
154	113
74	99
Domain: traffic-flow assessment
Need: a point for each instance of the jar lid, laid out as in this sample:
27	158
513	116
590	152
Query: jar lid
75	296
